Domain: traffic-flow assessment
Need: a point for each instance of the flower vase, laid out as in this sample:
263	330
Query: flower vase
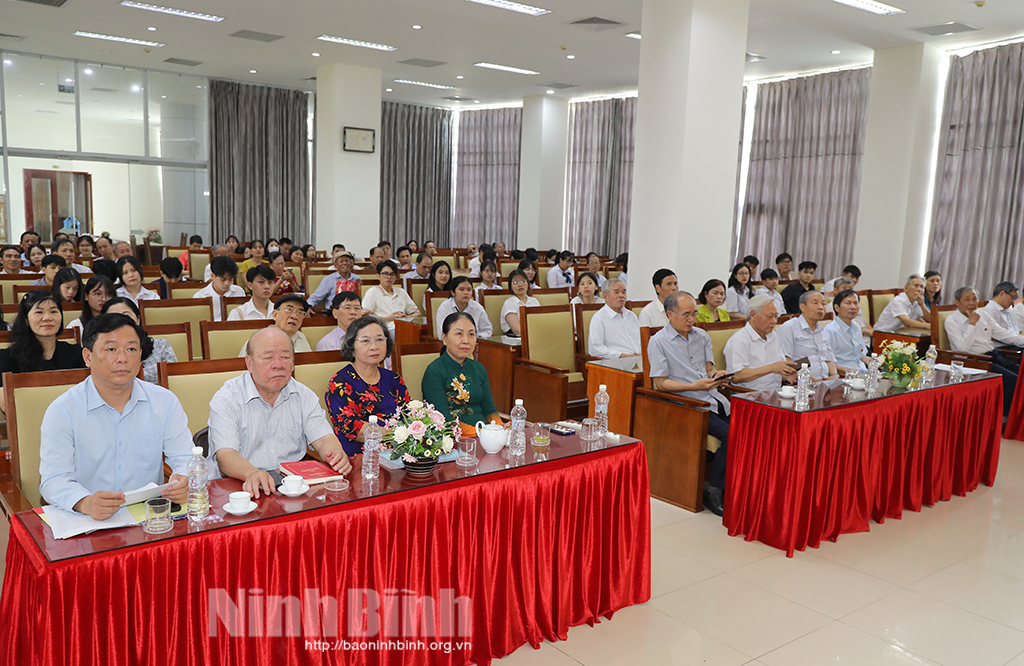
423	466
901	382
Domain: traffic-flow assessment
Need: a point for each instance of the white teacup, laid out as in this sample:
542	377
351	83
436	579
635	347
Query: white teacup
239	501
787	392
857	384
292	483
493	437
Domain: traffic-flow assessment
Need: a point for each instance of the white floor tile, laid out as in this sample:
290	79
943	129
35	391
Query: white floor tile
838	643
980	591
1005	557
883	557
706	540
671	571
663	513
546	655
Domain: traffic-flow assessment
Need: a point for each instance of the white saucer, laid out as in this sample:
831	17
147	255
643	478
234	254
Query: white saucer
227	508
304	489
786	396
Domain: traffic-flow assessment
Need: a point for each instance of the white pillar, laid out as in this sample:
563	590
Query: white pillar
898	170
348	183
687	133
543	152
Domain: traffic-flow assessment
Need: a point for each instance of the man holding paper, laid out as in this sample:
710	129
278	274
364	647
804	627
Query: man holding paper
110	433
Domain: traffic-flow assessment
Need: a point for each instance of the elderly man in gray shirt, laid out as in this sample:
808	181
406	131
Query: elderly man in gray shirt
683	361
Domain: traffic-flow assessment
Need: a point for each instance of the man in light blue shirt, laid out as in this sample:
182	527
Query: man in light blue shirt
804	337
329	286
110	433
844	333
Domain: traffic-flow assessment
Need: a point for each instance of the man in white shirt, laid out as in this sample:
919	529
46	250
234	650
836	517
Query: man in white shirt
223	271
288	313
908	310
424	262
851	272
264	417
474	263
665	283
1001	306
804	337
261	284
345	308
11	258
754	353
562	275
614	330
769	284
218	251
28	239
972	330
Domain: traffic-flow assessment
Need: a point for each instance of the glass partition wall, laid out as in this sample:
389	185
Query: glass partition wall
97	148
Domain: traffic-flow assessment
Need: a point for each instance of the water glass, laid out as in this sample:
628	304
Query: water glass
467	452
541	435
956	371
337	485
588	432
158	516
852	374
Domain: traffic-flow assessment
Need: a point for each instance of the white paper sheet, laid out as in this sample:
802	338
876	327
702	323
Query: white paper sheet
144	493
66	524
967	371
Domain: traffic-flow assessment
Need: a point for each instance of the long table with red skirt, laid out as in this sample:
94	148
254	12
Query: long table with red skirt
514	550
795	478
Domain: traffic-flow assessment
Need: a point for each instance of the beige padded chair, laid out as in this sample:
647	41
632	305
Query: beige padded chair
542	274
315	370
637	306
72	311
197	263
179	335
195	382
549	364
223	339
313	280
492	300
7	283
411	362
192	310
417	288
879	298
552	296
583	315
315	328
434	301
184	289
720	332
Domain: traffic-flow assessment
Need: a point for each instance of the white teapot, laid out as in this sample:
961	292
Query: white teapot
493	437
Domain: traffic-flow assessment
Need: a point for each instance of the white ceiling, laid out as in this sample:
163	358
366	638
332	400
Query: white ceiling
794	35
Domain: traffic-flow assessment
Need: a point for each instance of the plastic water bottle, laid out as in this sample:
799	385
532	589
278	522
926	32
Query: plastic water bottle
873	374
198	492
371	448
518	443
930	358
601	401
803	386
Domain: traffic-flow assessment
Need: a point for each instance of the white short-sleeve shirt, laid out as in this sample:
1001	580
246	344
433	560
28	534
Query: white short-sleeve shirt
889	320
511	306
746	349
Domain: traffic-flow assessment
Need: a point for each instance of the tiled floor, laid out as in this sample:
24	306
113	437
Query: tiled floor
941	587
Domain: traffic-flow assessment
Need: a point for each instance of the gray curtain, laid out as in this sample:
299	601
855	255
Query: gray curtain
259	161
804	180
415	173
599	188
487	180
979	208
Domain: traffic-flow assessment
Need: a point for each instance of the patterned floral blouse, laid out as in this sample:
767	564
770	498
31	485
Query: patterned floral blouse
351	401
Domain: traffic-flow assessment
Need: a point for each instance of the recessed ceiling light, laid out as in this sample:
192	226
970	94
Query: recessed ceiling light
550	92
571	57
476	101
422	83
171	10
513	7
872	6
69	80
505	68
417	27
632	35
8	62
136	88
460	77
112	38
387	90
356	42
252	71
163	96
87	71
316	55
836	52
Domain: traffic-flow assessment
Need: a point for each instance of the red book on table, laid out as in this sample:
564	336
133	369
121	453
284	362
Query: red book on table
311	471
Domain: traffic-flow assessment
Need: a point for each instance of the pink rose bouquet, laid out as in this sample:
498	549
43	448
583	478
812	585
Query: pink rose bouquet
418	430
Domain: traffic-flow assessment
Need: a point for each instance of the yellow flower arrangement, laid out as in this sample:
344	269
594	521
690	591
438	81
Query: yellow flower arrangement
900	362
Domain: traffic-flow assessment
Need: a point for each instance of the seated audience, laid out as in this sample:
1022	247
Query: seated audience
752	263
33	336
1000	307
529	269
232	244
405	258
476	262
218	251
376	256
342	279
65	248
711	297
388	301
67	286
587	290
130	272
653	314
385	247
461	300
932	289
155	350
907	310
261	285
223	271
499	248
624	260
11	258
421	270
488	277
851	272
972	330
285	247
440	276
288	314
298	256
104	248
51	266
594	266
683	361
522	295
738	293
28	239
284	277
784	265
867	333
563	274
455	383
195	244
98	290
170	273
86	247
614	329
845	336
36	253
551	258
345	308
804	339
363	387
123	249
413	245
792	293
264	417
754	353
106	268
769	288
257	249
112	416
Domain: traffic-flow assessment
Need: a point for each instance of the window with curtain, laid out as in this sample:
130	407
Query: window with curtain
487	180
599	183
979	206
803	184
415	173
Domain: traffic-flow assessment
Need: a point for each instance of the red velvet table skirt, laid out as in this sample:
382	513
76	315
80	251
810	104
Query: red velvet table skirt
797	478
1015	419
536	549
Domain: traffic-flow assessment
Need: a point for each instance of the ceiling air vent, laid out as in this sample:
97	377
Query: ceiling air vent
557	85
257	36
11	38
183	62
941	29
596	24
48	3
109	91
309	78
420	62
753	57
453	98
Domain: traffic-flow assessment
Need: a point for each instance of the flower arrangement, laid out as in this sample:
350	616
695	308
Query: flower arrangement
419	431
154	236
900	363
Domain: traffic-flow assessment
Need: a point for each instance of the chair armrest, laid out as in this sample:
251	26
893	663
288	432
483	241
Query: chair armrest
736	389
544	367
945	356
672	397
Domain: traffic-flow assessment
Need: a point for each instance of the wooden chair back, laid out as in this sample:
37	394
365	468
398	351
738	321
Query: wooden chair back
434	301
180	290
67	335
938	320
366	284
549	335
195	382
72	311
231	303
558	296
8	282
583	315
878	299
28	395
646	333
21	289
411	362
315	328
506	266
223	339
179	335
492	300
542	274
720	333
313	280
417	288
174	311
637	306
198	260
315	370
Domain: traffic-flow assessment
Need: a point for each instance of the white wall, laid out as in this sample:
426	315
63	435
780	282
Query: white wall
544	145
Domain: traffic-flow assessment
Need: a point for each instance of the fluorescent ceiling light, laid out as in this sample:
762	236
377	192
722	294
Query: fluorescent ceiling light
632	35
424	84
505	68
112	38
172	11
513	6
872	6
356	42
